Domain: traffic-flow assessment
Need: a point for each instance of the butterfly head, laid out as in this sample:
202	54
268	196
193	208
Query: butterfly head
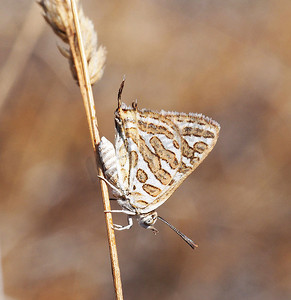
148	220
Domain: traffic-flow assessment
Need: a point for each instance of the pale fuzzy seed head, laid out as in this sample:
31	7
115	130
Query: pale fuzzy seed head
89	35
95	56
53	18
96	64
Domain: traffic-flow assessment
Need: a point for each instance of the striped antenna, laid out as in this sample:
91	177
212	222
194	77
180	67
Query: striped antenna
182	235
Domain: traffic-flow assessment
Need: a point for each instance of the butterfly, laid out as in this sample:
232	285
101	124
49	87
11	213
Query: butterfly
154	153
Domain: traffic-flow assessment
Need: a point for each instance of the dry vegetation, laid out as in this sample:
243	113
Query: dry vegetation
227	59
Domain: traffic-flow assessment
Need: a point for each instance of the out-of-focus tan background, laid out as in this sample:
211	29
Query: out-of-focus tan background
230	60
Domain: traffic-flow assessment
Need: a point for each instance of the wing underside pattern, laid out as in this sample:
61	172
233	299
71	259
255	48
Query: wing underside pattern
156	151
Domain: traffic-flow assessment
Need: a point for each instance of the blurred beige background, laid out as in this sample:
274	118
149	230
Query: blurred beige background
228	59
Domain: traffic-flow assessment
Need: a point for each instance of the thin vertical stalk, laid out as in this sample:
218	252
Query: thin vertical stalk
78	53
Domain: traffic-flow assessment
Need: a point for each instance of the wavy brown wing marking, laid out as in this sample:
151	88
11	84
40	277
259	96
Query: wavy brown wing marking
200	147
151	190
176	144
133	157
151	128
140	201
163	153
141	176
187	151
124	175
163	176
122	155
198	132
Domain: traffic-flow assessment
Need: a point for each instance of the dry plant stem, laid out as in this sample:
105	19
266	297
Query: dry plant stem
2	295
78	53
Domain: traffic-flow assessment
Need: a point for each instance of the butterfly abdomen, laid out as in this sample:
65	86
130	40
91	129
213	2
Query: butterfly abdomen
108	160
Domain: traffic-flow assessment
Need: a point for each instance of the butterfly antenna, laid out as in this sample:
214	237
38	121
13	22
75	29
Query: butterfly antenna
182	235
120	92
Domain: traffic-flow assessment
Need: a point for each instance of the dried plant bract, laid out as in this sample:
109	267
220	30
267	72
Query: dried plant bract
57	13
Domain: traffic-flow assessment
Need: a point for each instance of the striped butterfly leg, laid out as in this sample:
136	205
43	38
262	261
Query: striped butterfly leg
129	219
121	227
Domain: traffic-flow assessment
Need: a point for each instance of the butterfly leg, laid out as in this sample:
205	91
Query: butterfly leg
129	218
107	182
121	227
127	212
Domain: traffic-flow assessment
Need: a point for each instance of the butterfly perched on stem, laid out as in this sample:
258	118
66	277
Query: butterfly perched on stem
154	153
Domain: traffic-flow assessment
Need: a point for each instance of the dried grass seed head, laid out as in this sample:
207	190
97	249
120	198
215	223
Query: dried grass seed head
58	14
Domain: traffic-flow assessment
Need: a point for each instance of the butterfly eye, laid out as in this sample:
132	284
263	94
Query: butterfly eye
149	221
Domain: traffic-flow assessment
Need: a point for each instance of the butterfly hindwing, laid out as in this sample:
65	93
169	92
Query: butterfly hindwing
156	151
